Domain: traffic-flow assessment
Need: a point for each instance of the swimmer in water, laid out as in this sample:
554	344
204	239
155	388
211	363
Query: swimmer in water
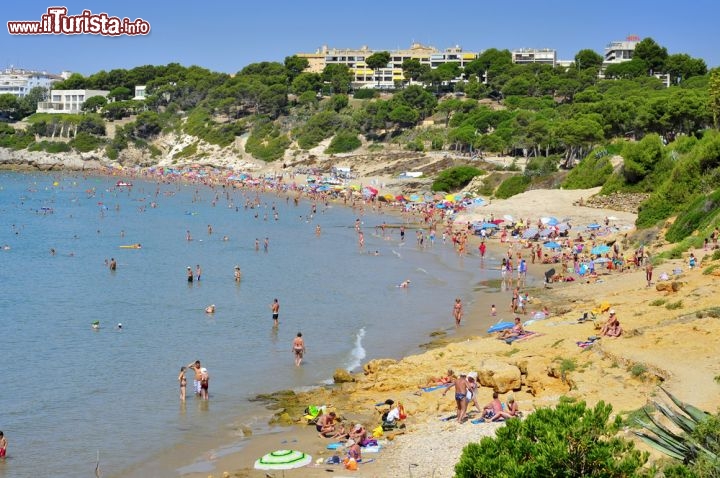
210	309
404	284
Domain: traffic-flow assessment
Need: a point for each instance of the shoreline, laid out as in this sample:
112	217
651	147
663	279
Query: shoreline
464	345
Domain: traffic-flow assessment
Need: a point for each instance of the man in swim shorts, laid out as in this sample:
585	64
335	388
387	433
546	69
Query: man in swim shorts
461	389
275	307
195	367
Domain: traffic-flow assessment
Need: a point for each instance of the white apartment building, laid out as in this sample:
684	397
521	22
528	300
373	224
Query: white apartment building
140	92
19	82
524	56
620	51
68	101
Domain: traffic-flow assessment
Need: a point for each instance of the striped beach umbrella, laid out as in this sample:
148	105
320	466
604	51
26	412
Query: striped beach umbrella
283	460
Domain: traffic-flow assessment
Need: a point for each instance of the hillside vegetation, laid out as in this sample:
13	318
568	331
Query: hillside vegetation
566	126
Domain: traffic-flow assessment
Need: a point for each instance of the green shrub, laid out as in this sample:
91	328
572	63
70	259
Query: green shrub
112	152
14	139
694	216
570	440
344	142
187	151
591	172
455	178
365	94
437	144
85	142
266	142
658	302
512	186
674	305
638	370
415	145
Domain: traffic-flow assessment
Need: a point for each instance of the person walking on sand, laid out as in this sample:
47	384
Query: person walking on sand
460	386
648	273
458	311
182	379
275	308
298	348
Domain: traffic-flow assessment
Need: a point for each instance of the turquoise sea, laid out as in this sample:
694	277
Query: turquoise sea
72	393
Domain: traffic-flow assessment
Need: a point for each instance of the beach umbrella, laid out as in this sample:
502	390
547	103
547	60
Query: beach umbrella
283	460
545	232
597	250
594	226
389	197
478	202
488	225
450	198
498	221
563	226
508	217
415	198
532	232
552	245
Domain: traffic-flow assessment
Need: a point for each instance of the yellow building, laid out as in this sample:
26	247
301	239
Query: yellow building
384	77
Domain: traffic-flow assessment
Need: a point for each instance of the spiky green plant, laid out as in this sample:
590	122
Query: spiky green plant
679	445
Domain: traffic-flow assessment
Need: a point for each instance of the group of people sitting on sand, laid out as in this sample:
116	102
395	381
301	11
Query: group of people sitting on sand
466	391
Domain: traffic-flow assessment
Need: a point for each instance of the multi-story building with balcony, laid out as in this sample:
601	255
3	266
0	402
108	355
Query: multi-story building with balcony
67	101
524	56
19	82
620	51
387	77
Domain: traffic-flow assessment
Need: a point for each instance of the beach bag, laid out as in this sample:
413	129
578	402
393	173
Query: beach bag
350	464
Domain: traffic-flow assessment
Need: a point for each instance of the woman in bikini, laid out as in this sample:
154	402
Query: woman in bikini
458	311
183	383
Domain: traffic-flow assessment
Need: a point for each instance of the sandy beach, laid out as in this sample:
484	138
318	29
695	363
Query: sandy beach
667	340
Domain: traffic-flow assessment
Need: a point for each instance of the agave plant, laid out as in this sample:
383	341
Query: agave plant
682	445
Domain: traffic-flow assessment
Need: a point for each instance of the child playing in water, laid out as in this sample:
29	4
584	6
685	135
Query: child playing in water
493	310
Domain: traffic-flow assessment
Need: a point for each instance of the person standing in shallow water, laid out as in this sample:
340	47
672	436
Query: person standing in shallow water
275	308
298	349
189	275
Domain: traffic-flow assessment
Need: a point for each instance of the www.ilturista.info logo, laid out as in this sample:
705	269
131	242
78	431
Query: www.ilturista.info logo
57	22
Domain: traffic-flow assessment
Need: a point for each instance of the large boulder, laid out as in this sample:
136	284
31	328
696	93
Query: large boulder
342	376
501	376
376	365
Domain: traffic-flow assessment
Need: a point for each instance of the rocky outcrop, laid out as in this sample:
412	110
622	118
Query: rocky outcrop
627	202
342	376
42	161
500	376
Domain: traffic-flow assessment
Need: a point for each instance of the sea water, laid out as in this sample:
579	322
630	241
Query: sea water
72	394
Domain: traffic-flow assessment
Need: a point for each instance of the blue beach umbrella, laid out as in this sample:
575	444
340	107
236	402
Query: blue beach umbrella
597	250
594	226
488	225
552	245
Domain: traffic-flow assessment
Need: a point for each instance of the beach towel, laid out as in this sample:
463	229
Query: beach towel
436	387
527	335
372	449
335	446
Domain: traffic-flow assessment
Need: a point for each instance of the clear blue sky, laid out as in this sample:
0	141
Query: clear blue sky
227	35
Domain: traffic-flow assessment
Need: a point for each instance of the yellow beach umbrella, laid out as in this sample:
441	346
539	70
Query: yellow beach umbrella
450	198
